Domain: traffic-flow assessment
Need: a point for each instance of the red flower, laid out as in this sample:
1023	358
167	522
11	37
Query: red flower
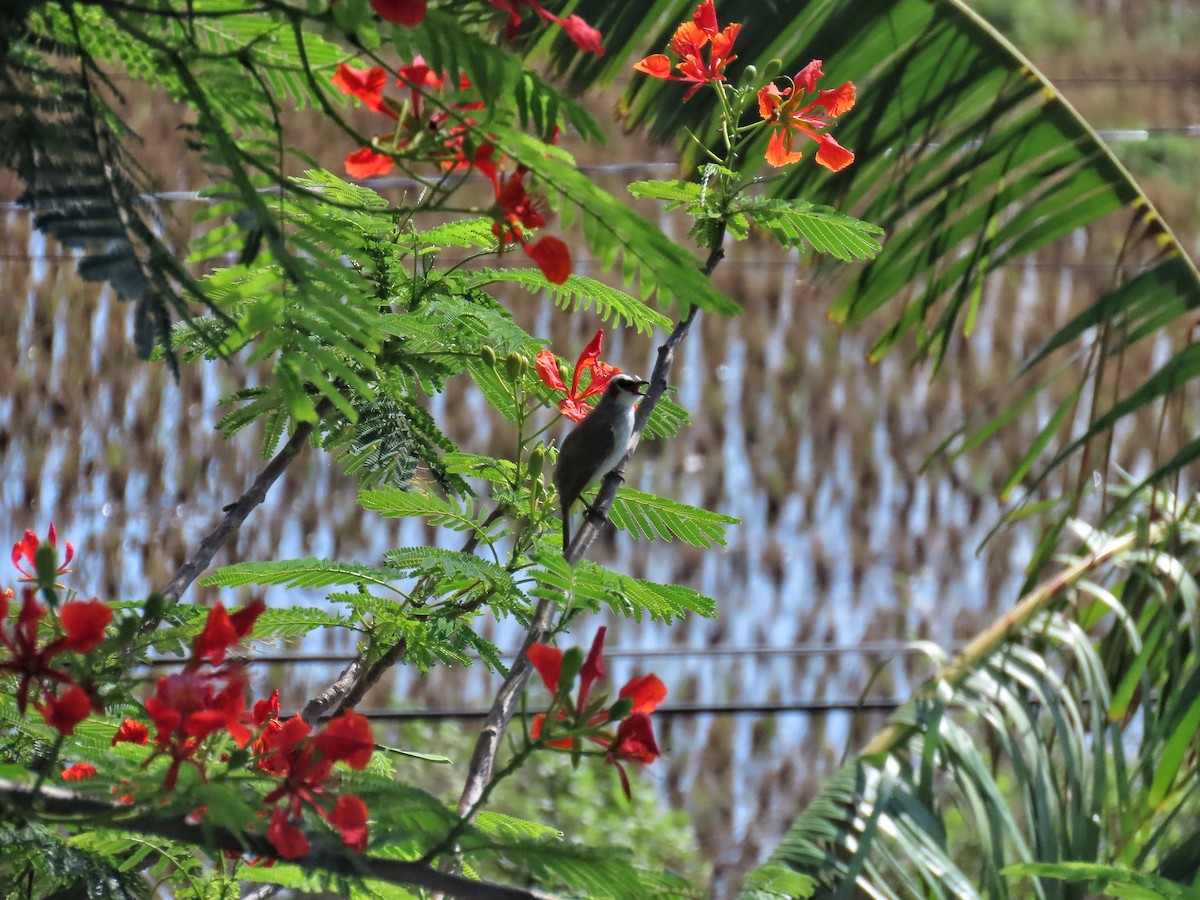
572	406
408	13
306	763
634	743
365	84
78	772
787	113
286	837
365	162
65	712
33	665
515	211
689	40
84	622
634	739
131	731
586	37
349	817
186	708
26	549
222	631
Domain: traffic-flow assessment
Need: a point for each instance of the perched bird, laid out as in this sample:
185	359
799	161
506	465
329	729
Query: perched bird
597	445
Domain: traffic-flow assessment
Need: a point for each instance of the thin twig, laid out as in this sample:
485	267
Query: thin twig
357	678
58	802
235	515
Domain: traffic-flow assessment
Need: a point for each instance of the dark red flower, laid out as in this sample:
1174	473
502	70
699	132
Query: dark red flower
78	772
600	373
347	739
408	13
788	113
688	43
26	549
65	712
515	210
131	731
634	743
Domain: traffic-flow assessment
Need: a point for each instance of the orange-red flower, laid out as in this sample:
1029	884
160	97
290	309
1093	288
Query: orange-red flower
788	113
78	772
365	84
26	549
222	631
186	708
572	405
83	622
688	44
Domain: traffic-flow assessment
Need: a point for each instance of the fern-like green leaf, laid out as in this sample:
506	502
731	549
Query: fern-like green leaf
298	573
650	516
825	229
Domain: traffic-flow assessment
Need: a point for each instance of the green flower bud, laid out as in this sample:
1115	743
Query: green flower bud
771	70
515	364
749	76
537	459
488	355
622	708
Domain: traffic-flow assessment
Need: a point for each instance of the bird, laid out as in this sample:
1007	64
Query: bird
596	445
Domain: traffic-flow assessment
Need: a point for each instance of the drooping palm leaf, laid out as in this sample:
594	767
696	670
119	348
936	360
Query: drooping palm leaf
1064	734
965	154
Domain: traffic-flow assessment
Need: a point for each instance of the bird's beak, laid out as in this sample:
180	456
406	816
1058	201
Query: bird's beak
641	388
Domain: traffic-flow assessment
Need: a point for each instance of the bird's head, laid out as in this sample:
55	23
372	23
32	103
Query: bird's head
625	388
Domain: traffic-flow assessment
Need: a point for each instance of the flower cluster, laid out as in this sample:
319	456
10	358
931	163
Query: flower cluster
688	43
567	720
798	108
599	373
514	210
78	627
421	132
208	698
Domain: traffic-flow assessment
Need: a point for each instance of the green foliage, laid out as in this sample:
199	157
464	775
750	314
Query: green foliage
1084	769
647	516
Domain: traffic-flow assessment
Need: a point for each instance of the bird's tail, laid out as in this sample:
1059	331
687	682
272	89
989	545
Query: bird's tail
566	519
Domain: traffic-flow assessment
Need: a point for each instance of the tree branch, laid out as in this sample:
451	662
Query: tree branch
235	515
504	707
17	798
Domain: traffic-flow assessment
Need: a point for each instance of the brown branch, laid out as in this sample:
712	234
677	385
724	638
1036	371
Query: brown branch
356	679
22	800
504	706
235	515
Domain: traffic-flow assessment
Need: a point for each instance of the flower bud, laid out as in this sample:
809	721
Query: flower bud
622	708
749	76
488	355
515	364
537	459
771	70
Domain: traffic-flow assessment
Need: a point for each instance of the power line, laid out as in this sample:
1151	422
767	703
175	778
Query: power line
675	710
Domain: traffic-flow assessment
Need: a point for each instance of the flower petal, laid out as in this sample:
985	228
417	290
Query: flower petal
658	65
586	37
548	662
646	692
547	370
778	151
833	155
552	257
408	13
366	162
349	817
84	622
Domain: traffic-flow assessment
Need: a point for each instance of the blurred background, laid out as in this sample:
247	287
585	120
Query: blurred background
847	552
